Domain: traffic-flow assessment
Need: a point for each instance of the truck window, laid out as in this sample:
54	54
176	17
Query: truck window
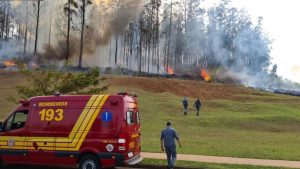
130	119
138	120
16	121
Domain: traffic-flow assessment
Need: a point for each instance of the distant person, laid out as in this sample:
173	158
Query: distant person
167	142
197	105
185	105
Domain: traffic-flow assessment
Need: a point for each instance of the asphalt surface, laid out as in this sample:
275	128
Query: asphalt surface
227	160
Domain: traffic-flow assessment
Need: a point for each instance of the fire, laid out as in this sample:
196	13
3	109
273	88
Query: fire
98	2
9	63
170	71
34	66
205	75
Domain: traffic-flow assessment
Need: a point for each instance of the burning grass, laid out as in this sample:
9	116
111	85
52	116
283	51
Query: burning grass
205	75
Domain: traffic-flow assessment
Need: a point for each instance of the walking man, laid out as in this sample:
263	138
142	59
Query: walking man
197	105
185	105
167	141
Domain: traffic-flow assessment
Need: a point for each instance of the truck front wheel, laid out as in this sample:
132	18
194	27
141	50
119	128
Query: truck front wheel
89	162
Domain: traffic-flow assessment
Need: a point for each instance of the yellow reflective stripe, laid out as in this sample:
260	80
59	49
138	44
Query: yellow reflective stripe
15	138
62	140
14	148
83	115
134	135
90	124
85	123
42	140
16	144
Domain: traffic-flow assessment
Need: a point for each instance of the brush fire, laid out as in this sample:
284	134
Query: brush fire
12	65
205	75
170	71
9	63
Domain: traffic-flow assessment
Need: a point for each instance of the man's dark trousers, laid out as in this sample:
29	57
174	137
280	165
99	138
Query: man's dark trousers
171	155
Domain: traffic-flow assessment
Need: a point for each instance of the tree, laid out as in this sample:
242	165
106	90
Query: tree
26	30
37	6
274	70
69	28
83	6
48	82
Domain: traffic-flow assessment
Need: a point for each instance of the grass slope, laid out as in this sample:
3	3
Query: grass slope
234	121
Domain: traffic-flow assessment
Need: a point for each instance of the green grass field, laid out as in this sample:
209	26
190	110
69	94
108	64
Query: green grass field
254	125
264	127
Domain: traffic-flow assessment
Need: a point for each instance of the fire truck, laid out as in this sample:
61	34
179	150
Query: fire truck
90	132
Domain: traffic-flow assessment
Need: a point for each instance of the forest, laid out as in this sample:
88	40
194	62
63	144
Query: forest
151	36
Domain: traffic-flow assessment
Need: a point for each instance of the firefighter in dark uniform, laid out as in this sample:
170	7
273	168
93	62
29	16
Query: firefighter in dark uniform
185	105
197	105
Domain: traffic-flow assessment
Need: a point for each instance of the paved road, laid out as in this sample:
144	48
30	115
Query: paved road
227	160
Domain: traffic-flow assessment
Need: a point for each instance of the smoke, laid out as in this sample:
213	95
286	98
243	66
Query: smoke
241	49
10	49
105	19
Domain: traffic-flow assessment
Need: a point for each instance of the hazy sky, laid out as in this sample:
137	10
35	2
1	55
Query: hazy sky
281	22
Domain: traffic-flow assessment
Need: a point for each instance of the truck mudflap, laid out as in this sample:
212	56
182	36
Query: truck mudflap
135	160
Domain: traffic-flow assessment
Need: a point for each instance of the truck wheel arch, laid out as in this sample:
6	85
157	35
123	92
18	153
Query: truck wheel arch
82	155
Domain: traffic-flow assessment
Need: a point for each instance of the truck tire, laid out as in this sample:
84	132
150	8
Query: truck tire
89	162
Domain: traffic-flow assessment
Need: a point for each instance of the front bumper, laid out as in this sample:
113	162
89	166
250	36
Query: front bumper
135	160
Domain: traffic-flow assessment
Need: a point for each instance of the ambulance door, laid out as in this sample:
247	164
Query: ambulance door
41	140
137	148
12	138
133	128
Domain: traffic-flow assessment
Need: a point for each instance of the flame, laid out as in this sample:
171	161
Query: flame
9	63
204	74
34	66
170	71
98	2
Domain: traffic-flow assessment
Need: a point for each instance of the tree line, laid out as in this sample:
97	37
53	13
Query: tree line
150	36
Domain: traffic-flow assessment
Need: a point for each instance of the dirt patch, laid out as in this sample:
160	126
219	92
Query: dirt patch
190	88
204	90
